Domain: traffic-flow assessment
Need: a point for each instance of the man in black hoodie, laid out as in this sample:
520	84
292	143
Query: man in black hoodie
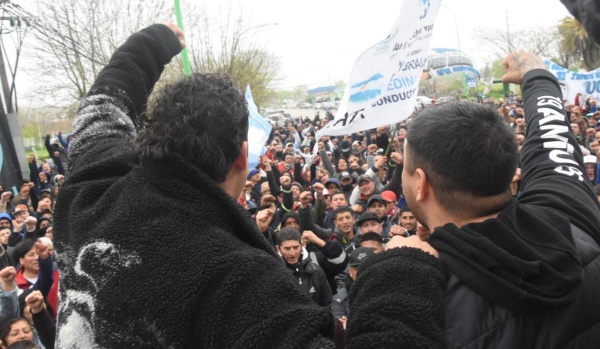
310	276
523	273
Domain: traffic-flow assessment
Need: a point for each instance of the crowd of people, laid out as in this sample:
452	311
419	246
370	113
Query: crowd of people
467	225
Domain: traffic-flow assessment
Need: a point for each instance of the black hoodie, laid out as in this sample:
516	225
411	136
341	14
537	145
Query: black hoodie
530	277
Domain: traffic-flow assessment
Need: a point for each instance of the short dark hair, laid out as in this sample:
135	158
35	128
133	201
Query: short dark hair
338	192
22	248
342	209
287	234
6	325
404	208
371	237
464	148
202	119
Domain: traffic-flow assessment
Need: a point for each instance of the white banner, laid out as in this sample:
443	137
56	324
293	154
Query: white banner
383	86
571	83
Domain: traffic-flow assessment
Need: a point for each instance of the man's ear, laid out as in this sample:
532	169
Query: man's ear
423	186
242	160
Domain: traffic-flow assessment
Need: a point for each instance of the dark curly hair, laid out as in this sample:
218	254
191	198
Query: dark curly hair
202	119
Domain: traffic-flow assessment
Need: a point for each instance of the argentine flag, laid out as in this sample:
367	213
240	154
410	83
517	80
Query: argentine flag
258	132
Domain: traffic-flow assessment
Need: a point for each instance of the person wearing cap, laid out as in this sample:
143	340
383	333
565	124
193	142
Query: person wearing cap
365	187
590	162
369	222
255	178
309	275
340	304
391	202
333	184
347	182
6	221
377	205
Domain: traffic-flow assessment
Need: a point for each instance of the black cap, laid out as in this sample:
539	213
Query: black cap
364	178
359	255
367	216
375	198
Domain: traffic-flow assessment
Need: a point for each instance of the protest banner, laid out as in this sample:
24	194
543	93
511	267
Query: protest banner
383	85
571	82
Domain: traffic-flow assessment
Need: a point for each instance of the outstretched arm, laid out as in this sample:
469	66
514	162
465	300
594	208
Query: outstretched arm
107	119
551	159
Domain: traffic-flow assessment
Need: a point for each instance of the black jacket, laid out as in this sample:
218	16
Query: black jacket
312	281
157	255
530	278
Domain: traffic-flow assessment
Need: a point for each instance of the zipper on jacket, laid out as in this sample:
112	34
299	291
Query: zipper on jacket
300	278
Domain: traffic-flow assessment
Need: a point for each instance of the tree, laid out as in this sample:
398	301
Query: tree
231	45
576	41
539	41
76	38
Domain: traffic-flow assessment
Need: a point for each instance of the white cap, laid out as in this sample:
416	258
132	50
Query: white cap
589	159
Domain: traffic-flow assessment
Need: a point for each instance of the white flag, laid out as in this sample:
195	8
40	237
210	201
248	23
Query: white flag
258	132
383	86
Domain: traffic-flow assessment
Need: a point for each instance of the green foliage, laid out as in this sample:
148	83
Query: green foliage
575	40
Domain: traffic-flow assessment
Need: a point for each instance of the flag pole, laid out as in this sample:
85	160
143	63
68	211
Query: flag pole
184	54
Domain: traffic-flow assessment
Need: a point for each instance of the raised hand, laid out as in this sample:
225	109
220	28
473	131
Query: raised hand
518	64
178	32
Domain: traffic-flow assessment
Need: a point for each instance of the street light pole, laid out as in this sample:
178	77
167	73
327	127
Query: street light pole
455	24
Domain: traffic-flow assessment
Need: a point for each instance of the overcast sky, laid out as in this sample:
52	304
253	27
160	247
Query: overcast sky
318	40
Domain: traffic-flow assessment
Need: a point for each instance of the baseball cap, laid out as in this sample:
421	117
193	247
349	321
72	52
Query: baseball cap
366	216
359	255
364	178
20	208
589	159
252	173
345	175
374	198
389	196
5	216
334	181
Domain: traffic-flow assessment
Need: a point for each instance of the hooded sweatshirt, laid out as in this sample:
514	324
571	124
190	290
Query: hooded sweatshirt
530	277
